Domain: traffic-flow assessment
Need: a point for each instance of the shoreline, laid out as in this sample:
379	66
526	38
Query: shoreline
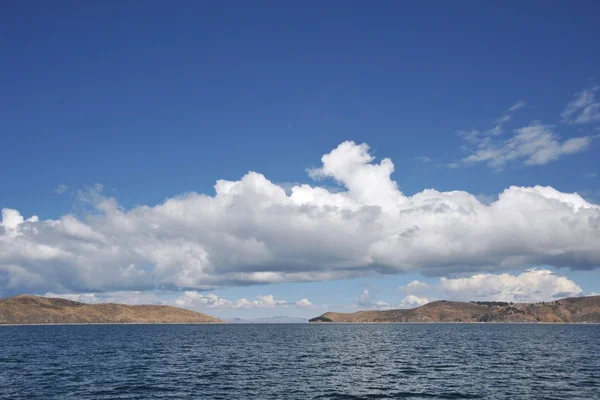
311	323
119	323
456	323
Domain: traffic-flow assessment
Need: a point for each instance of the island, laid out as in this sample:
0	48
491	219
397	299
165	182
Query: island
32	310
568	310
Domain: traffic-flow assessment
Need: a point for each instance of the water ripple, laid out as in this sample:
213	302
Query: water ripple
413	361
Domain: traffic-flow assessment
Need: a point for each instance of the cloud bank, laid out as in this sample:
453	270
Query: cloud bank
532	285
252	231
189	299
194	299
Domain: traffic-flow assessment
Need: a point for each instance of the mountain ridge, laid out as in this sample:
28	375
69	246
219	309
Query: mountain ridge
567	310
36	310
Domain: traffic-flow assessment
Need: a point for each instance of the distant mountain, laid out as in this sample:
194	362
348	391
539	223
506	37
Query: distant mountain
569	310
268	320
26	309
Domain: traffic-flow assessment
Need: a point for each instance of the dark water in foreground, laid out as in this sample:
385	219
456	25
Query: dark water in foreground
412	361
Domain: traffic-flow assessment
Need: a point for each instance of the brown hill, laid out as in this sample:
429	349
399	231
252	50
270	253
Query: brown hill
26	309
569	310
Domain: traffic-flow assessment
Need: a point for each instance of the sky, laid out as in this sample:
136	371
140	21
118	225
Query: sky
254	159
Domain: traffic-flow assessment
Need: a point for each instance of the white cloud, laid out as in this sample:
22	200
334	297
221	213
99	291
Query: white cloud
188	299
12	219
252	232
584	108
305	303
414	287
530	286
518	105
535	144
415	294
423	159
412	301
195	299
365	301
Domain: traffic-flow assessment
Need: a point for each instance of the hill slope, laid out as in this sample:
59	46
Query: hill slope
574	309
26	309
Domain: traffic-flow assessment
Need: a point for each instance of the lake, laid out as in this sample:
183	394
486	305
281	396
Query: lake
300	361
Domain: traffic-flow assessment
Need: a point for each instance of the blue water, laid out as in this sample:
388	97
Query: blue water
412	361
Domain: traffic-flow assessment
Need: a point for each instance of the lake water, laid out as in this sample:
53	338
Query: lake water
412	361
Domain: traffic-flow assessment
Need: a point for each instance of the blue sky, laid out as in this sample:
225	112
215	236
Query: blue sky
152	101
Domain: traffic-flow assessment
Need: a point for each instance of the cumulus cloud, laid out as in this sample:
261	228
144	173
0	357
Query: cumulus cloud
305	303
366	301
584	108
12	219
252	231
412	301
530	286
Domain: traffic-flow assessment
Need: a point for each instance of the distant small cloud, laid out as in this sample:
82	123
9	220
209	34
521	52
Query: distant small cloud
475	137
305	303
519	104
60	189
535	144
412	301
591	175
366	301
423	159
195	299
584	108
452	165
